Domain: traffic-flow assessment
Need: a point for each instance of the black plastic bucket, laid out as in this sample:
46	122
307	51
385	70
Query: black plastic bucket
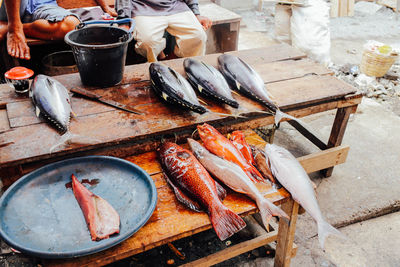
100	51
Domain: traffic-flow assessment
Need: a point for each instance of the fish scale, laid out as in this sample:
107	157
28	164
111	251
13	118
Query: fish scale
209	81
237	73
194	187
173	88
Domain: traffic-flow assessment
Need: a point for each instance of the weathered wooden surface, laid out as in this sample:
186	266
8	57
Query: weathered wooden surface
285	240
298	85
218	14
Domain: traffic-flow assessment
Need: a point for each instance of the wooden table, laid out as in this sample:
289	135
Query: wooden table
299	86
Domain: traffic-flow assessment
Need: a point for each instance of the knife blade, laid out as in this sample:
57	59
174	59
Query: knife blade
106	101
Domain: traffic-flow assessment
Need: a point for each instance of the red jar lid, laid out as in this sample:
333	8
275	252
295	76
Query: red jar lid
18	73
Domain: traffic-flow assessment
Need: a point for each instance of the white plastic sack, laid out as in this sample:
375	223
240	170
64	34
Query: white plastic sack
310	30
282	22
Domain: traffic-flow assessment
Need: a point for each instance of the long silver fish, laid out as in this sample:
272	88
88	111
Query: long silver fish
294	178
51	100
208	81
174	88
234	177
246	80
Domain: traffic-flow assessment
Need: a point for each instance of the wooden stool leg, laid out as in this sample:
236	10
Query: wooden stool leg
337	132
286	233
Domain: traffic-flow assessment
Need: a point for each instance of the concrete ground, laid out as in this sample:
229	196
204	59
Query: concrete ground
362	196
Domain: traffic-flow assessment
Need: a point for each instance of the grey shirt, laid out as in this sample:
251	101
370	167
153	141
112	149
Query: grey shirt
133	8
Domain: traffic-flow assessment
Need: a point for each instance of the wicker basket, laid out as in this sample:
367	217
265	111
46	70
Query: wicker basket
377	65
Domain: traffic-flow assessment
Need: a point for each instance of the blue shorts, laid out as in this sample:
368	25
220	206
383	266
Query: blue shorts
51	13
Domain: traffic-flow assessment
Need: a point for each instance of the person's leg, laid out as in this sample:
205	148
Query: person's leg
12	12
149	31
190	36
50	22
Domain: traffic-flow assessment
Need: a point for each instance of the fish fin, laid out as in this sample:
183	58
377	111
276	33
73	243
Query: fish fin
70	138
324	230
220	190
225	222
37	111
165	96
237	84
255	173
267	210
182	197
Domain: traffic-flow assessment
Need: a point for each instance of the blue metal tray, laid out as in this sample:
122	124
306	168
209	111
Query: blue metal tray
40	216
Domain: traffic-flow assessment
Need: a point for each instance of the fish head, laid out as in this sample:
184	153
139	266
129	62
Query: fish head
197	149
237	136
205	130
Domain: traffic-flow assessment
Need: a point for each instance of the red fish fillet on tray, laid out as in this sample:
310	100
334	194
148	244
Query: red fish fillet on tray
101	218
194	187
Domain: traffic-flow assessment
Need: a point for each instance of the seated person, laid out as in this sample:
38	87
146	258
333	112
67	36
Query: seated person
179	18
41	19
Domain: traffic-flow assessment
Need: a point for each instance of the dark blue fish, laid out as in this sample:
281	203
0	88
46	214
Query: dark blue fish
51	101
209	81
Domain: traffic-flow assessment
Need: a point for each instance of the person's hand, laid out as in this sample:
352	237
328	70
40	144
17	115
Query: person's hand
204	21
110	11
16	43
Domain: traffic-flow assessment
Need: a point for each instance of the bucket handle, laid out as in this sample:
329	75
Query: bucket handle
111	22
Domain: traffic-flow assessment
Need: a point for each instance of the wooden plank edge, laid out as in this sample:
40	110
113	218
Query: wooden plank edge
234	251
324	159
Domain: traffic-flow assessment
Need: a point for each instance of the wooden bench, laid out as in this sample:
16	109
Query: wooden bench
222	37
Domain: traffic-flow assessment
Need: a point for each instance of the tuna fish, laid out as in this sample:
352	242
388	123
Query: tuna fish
233	176
194	187
209	81
51	101
219	145
246	80
174	88
293	177
101	218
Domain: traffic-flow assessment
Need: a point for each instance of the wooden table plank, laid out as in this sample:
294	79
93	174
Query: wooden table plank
22	113
117	127
4	124
218	14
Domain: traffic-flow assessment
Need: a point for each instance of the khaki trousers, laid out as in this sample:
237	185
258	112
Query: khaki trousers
189	34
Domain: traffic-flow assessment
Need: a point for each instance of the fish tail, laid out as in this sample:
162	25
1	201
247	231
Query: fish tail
64	139
225	222
267	210
324	230
70	138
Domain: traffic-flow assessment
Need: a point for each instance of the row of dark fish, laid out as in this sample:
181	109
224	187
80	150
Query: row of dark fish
210	82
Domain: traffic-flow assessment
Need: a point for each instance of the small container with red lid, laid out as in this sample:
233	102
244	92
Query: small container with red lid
18	78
